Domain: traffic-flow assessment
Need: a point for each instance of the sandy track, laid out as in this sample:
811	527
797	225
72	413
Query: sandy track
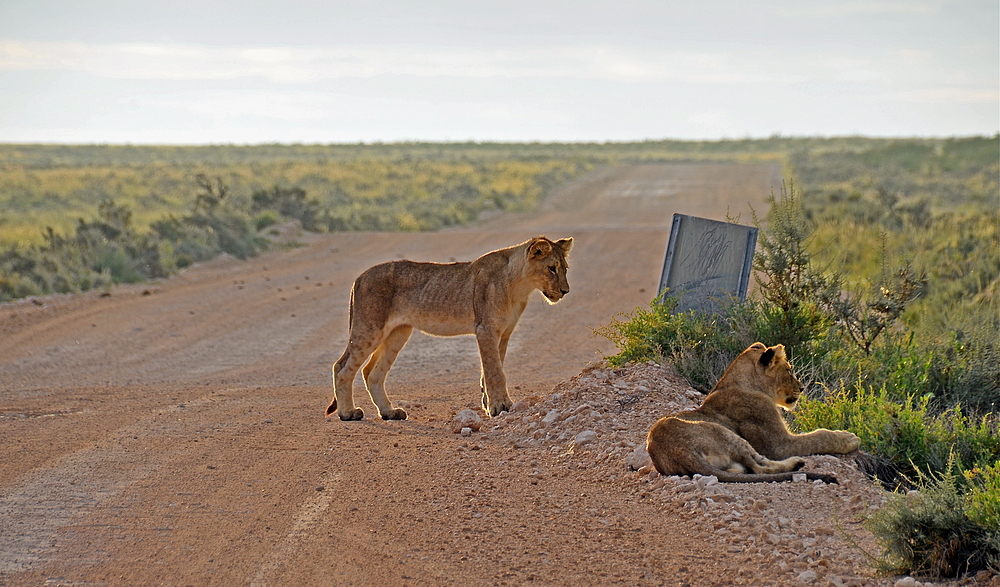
173	433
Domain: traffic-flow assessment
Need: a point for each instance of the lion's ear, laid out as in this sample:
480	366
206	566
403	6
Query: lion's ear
765	359
759	346
565	244
539	248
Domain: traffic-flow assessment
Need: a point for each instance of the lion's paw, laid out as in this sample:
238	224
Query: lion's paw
355	414
395	414
851	441
498	407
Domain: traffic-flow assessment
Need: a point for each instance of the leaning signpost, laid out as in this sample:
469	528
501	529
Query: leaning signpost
707	262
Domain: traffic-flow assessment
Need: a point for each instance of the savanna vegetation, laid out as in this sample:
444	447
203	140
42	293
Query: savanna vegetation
153	211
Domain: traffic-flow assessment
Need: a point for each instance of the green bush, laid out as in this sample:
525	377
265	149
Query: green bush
286	202
903	431
938	530
265	219
984	496
699	345
110	250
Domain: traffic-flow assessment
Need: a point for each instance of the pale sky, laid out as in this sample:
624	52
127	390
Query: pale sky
208	71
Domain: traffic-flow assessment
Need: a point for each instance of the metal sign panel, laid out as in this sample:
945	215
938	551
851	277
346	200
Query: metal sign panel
707	263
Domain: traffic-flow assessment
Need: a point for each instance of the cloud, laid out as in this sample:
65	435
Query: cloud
866	8
949	96
307	64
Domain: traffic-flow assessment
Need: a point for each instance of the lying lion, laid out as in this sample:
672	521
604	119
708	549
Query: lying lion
738	429
484	297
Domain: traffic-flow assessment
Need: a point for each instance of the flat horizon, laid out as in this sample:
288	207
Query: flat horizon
995	135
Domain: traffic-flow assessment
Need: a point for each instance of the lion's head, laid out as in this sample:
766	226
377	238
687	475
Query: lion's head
770	371
546	265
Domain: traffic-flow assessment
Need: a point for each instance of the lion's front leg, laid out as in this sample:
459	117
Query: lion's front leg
494	382
822	441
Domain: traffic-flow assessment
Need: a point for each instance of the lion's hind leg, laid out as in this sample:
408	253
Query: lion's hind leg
746	459
344	371
359	348
766	465
377	369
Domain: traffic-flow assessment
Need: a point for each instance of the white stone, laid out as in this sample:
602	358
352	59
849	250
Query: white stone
466	419
807	577
706	480
799	477
466	431
585	437
639	458
905	582
551	417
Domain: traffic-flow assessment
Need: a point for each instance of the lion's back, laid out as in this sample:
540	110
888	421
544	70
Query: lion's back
433	297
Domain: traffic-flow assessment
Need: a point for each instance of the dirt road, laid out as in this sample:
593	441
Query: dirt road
173	433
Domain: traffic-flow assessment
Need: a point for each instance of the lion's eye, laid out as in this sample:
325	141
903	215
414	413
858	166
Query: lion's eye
553	270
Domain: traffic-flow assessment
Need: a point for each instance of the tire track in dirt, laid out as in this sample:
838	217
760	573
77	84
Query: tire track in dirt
310	514
64	492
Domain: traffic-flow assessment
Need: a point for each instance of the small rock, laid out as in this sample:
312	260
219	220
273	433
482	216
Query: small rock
807	577
639	458
905	582
585	437
523	404
685	486
551	417
799	478
704	481
466	419
466	431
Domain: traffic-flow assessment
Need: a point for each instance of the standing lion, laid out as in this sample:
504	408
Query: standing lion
738	433
484	297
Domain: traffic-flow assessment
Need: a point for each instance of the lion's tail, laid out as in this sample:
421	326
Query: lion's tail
727	477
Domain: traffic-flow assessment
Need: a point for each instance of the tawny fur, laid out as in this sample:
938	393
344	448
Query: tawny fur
484	297
738	433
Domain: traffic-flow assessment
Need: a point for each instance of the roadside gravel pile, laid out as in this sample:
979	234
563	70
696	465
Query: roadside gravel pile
604	411
595	424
